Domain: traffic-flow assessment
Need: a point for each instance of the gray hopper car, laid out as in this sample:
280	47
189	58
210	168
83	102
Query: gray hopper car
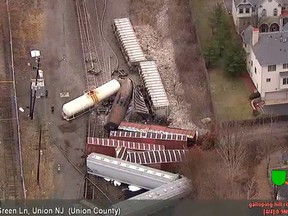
127	172
155	200
151	79
128	42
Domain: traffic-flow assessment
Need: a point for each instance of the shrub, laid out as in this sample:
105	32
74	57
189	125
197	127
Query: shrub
254	95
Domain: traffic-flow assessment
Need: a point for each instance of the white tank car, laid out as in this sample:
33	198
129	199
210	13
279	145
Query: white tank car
89	99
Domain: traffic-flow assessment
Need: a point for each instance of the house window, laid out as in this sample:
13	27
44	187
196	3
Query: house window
255	70
285	81
253	9
251	63
283	8
272	68
244	22
268	80
247	10
241	10
263	12
285	66
275	12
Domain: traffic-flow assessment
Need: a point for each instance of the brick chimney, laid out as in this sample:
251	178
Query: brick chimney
255	36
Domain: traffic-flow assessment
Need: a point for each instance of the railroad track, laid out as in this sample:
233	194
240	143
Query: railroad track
90	55
96	64
89	190
10	183
102	4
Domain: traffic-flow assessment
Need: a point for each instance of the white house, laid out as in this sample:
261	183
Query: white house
268	15
267	63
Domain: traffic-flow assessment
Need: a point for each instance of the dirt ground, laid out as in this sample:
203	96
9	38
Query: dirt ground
167	35
51	26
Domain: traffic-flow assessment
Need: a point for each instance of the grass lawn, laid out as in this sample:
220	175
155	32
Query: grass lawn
230	97
201	11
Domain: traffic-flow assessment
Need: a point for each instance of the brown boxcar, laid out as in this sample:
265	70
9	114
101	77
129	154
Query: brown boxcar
162	158
170	141
107	146
192	135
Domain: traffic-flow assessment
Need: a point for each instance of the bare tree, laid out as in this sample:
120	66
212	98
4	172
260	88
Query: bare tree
232	149
250	188
257	20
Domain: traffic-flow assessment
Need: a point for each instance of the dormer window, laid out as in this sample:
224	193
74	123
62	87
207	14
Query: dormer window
247	10
275	12
241	10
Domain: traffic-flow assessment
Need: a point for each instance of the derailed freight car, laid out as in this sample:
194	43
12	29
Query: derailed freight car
192	135
155	200
107	146
151	79
159	159
128	42
120	105
87	101
128	173
170	141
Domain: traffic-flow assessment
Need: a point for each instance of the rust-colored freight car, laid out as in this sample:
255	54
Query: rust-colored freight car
107	146
170	141
192	135
154	158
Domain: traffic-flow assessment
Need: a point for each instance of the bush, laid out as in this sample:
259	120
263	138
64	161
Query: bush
254	95
256	112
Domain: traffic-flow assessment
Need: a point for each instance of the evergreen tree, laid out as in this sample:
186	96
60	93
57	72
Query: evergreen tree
234	59
216	17
212	53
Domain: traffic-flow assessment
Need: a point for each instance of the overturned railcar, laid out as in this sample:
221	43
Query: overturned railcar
127	172
151	79
89	99
128	42
120	105
155	200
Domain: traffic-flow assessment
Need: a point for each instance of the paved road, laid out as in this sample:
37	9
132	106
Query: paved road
61	39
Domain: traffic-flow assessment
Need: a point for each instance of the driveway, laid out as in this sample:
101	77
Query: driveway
280	109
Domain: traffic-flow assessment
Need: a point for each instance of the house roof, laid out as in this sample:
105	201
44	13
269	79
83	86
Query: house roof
258	2
272	48
253	2
247	35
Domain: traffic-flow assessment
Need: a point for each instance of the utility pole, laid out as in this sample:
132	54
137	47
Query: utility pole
39	156
34	54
